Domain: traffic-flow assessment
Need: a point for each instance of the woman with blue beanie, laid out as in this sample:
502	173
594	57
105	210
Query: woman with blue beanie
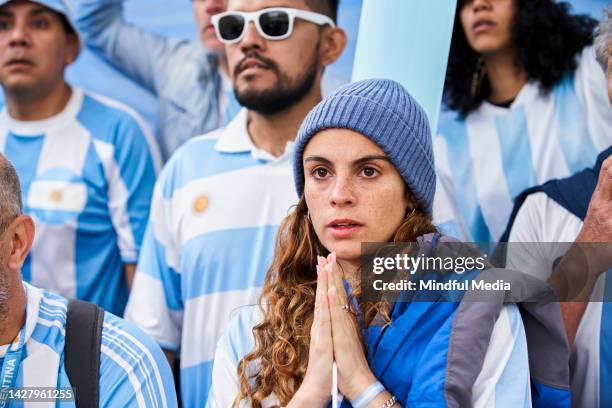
364	172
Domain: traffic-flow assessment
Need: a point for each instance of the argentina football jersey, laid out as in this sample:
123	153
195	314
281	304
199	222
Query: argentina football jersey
485	160
87	175
133	370
215	211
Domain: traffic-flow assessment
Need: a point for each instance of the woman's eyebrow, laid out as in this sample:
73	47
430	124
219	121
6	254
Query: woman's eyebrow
369	158
319	159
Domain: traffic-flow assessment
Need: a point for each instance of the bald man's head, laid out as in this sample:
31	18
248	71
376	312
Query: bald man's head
10	193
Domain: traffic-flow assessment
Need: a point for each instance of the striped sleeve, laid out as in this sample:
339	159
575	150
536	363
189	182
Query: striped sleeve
235	343
128	158
446	212
504	378
155	303
133	370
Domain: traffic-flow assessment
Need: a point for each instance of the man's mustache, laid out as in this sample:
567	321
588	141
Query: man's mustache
268	63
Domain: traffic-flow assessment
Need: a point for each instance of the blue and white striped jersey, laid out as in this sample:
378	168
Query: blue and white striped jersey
87	176
133	370
215	212
502	380
542	220
486	160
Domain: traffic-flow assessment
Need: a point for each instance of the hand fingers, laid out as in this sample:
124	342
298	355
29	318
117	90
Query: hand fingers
321	324
604	183
322	280
335	278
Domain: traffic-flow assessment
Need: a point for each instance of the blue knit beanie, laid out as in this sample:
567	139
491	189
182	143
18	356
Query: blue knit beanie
384	112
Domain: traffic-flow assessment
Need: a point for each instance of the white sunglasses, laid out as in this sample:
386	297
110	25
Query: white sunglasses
275	23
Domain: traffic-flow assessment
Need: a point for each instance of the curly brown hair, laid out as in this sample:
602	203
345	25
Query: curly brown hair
282	339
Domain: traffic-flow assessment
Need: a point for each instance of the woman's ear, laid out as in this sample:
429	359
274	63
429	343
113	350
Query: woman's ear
411	202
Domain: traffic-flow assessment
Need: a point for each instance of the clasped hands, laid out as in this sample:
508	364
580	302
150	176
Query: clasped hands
334	335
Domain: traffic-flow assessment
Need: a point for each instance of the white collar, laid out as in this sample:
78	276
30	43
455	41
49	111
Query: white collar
38	127
235	138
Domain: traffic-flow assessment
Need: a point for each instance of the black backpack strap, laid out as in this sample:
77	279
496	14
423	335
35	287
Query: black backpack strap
82	351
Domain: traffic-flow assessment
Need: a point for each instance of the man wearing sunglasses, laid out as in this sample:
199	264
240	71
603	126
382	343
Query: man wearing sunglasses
34	353
191	79
219	200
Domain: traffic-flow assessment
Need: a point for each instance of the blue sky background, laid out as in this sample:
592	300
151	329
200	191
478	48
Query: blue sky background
92	73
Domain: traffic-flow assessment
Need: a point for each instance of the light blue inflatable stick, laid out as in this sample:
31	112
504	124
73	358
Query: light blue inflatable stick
407	41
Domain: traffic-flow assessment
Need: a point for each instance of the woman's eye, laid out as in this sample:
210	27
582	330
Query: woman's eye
369	172
320	172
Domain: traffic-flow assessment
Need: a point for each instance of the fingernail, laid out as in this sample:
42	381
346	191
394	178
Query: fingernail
333	257
318	269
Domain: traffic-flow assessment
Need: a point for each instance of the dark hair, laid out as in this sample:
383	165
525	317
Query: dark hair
10	193
547	38
67	26
327	7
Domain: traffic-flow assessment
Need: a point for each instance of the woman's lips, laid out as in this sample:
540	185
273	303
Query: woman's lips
482	26
343	228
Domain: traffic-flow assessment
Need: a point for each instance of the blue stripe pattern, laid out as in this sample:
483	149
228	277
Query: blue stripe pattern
97	255
24	153
516	151
137	370
456	137
192	260
222	253
182	169
511	379
574	139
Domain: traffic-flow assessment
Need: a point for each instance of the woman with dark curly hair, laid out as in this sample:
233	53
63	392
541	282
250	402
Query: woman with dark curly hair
364	171
529	103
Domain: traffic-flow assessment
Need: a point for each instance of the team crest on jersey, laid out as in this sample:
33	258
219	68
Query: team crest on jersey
55	196
200	204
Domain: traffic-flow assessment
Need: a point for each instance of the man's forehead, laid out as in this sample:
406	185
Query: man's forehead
254	5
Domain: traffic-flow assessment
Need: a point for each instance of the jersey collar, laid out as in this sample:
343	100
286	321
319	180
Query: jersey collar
235	139
38	127
32	308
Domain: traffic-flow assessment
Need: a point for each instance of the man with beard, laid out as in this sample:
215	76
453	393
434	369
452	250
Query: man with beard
219	200
33	325
190	78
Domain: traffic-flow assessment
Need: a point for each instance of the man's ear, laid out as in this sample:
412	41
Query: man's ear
72	44
333	41
21	236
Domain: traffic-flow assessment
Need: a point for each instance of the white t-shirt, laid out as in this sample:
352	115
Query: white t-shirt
542	220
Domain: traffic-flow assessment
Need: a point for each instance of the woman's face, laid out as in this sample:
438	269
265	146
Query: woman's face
353	192
487	24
